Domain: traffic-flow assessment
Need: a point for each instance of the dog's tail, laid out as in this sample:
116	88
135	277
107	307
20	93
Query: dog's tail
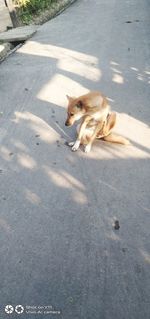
114	138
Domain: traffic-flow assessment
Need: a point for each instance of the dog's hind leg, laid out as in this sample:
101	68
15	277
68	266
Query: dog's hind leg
108	125
114	138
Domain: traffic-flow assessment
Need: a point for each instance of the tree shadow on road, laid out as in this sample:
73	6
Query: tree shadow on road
59	207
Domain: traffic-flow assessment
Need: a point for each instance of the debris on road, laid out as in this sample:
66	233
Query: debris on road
116	224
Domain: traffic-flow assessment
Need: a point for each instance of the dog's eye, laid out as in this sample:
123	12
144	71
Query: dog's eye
71	114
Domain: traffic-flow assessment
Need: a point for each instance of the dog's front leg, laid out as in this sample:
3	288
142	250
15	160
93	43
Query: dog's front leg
99	127
75	145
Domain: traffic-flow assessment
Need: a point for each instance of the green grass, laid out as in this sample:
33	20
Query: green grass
29	8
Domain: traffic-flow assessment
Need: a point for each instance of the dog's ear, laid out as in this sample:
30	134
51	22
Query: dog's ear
69	98
79	104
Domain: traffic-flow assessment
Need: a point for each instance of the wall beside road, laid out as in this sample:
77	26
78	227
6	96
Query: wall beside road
5	20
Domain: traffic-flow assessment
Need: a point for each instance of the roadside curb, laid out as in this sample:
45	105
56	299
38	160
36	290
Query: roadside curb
5	48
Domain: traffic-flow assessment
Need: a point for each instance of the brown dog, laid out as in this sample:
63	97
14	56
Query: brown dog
97	121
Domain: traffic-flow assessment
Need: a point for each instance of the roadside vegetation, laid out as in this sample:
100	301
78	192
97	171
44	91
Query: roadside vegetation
29	10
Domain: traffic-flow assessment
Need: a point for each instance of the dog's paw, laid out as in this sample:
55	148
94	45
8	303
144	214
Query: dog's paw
70	144
76	146
74	149
87	148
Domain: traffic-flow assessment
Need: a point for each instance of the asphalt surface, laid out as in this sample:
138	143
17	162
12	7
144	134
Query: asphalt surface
58	244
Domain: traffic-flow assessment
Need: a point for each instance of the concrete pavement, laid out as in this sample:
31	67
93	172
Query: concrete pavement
57	208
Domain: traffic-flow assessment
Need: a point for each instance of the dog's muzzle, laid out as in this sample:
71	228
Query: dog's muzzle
67	123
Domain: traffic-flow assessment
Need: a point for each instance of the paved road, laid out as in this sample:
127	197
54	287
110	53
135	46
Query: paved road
58	244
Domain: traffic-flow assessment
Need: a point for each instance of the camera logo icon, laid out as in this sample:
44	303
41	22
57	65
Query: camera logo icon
9	309
19	309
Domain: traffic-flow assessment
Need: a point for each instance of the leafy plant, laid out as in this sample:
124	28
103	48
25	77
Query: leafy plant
27	8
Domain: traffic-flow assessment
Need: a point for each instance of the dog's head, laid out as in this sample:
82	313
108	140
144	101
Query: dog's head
75	110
